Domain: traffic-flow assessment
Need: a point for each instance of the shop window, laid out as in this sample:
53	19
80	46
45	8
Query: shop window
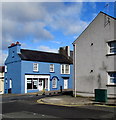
32	83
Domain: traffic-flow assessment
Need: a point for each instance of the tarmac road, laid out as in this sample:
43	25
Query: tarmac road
27	107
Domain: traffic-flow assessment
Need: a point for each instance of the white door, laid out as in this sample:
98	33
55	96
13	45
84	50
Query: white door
65	83
40	84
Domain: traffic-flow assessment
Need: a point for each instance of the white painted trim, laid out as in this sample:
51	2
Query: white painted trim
10	83
6	68
65	69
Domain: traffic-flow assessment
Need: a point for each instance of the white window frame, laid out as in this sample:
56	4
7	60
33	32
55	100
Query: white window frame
109	78
35	67
51	67
6	68
109	47
64	65
10	83
54	80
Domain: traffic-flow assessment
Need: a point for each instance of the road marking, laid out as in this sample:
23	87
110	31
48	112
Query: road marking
40	101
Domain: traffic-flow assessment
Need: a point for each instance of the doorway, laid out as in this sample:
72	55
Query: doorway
65	83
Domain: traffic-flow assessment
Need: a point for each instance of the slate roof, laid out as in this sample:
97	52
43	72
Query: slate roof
32	55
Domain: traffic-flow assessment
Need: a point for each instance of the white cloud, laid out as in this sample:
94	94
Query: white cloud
3	57
30	19
57	42
47	49
24	20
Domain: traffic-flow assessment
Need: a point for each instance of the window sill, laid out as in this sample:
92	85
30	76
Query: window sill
36	71
111	54
66	74
52	72
111	85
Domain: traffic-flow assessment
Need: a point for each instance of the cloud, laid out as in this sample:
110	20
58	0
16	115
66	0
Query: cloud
67	19
57	42
3	57
47	49
24	20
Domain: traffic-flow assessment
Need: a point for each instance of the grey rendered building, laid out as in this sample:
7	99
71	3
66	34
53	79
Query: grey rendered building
95	57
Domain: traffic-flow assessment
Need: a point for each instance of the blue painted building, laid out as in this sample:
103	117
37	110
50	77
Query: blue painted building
33	71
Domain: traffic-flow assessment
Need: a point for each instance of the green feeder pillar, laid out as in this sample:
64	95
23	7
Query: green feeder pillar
100	95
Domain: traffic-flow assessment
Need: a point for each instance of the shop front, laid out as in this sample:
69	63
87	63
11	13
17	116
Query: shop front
35	83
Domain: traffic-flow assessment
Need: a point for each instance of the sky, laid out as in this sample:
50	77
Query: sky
46	26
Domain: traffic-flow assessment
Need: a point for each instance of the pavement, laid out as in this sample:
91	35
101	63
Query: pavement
67	100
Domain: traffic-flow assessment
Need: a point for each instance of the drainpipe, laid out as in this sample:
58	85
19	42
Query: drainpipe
74	64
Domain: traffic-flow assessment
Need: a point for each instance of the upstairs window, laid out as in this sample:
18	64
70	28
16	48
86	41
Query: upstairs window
112	47
35	67
112	78
65	69
51	67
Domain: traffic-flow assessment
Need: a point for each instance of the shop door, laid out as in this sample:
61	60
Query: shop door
40	84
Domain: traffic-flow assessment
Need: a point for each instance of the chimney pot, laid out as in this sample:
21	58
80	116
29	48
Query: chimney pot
17	43
12	44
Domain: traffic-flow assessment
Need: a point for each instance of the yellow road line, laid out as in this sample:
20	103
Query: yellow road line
40	101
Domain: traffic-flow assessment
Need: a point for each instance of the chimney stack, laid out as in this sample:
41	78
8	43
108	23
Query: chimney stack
65	51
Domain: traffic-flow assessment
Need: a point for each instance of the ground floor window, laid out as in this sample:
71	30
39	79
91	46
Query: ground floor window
32	83
112	77
37	83
54	83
